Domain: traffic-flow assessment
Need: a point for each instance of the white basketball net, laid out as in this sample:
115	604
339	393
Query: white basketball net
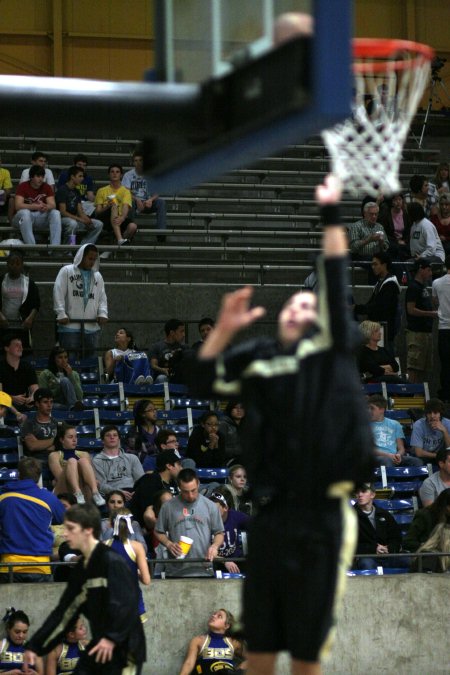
366	148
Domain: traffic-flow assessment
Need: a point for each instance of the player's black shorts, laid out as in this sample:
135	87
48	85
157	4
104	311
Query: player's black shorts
294	577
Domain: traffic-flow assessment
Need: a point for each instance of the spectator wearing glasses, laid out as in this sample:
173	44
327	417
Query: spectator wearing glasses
206	445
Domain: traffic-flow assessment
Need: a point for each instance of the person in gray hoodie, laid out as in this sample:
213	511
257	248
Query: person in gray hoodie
113	468
80	302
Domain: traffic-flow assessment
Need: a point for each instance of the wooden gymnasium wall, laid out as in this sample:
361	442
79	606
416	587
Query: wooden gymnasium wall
112	39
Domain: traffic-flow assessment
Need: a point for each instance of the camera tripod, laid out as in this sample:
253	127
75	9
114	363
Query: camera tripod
436	85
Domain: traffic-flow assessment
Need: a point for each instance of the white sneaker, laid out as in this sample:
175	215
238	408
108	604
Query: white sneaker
98	499
79	496
122	242
140	380
149	379
105	255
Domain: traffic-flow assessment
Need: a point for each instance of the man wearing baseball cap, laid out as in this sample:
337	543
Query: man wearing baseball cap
168	466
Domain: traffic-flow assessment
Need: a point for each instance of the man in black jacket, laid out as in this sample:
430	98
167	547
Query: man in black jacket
378	532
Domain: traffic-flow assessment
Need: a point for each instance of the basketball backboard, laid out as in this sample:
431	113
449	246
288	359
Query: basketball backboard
222	95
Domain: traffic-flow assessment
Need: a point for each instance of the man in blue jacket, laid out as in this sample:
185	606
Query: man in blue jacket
26	513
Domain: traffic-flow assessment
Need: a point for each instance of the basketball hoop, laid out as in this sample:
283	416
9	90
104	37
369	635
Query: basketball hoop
390	77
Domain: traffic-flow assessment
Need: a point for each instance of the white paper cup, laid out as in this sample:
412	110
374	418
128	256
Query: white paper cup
185	543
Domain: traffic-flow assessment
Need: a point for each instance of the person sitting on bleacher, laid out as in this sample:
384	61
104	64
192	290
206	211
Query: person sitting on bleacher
86	188
375	363
39	159
36	208
205	326
113	204
439	481
388	435
165	355
115	469
73	217
143	199
125	362
17	377
431	433
236	490
62	380
168	466
39	432
206	445
141	438
378	532
425	520
230	428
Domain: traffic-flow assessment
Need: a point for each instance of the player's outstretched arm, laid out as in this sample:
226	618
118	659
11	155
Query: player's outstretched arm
328	197
235	314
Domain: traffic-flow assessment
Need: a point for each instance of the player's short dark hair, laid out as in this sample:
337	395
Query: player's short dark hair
36	155
384	258
416	182
442	454
434	405
80	158
378	400
206	321
186	476
41	393
115	166
10	337
29	467
162	436
85	515
108	427
138	152
74	170
36	170
416	212
172	324
68	497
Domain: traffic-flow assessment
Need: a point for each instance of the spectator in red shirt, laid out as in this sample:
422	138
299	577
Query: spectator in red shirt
36	209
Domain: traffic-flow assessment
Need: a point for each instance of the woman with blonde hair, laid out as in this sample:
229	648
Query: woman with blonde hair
374	362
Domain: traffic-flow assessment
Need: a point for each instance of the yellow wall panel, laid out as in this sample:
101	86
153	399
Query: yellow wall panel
379	18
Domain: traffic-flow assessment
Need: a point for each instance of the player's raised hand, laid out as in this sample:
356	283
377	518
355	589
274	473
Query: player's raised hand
330	191
234	315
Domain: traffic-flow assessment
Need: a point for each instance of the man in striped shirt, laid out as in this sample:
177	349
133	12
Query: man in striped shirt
367	236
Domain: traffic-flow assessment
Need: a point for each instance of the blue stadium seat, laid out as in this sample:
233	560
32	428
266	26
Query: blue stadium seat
177	416
75	416
9	459
406	472
8	474
114	416
11	443
90	444
204	404
218	475
106	389
96	402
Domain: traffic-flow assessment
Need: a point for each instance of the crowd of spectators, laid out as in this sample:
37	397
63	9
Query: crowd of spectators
145	469
73	205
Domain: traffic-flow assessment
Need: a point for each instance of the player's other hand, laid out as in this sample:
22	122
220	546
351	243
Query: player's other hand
330	191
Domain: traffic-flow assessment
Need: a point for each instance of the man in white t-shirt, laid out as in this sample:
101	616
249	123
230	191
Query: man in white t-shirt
441	302
439	481
39	159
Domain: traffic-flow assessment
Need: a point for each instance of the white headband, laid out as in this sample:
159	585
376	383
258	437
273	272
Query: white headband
127	518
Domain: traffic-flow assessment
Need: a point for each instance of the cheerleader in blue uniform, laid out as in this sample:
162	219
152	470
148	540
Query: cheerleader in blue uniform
132	551
64	658
12	646
215	652
73	467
